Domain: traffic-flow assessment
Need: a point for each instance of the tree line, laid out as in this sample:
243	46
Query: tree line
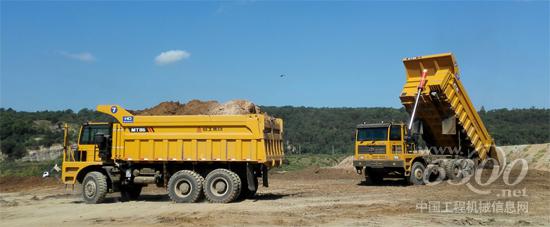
306	129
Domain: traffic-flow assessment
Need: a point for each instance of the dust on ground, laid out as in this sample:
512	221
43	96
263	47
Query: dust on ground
316	196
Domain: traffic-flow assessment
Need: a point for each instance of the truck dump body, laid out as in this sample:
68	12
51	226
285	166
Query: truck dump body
219	157
217	138
448	117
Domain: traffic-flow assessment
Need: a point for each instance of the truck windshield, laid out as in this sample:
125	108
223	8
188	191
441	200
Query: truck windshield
370	134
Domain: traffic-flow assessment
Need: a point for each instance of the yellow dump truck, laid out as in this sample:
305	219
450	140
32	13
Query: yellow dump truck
218	156
442	118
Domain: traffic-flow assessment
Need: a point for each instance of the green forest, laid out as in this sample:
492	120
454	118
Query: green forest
307	129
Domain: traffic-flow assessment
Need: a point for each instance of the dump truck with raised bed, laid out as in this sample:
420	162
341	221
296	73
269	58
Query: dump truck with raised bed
220	157
442	119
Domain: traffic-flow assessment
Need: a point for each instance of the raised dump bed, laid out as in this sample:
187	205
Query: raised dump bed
448	117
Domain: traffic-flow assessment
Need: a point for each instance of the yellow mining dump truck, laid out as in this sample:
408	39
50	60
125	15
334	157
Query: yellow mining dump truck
218	156
441	116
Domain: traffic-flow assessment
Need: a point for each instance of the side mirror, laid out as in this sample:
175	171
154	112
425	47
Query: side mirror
353	137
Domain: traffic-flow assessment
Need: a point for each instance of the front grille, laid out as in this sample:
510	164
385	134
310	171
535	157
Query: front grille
380	149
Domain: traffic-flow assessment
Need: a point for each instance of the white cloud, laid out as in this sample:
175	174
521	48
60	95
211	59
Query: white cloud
171	56
84	56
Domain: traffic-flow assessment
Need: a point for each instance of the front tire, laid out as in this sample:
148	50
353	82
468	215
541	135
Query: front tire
94	187
417	173
222	186
185	186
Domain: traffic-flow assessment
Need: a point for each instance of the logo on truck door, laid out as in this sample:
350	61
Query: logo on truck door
114	109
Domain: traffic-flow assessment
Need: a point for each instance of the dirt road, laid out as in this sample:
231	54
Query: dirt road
309	197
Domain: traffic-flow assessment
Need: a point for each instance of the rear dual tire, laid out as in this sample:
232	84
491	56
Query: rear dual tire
185	186
219	186
222	186
457	169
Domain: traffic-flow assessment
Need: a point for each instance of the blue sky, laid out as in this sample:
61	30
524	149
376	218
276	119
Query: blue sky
59	55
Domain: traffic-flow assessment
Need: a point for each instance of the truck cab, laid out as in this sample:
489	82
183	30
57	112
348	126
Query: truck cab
93	142
384	150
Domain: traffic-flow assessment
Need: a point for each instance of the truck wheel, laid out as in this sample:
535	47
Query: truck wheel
460	168
468	167
453	170
433	174
94	187
130	192
417	173
222	186
185	186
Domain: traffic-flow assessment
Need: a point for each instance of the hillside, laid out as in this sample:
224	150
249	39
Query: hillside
307	130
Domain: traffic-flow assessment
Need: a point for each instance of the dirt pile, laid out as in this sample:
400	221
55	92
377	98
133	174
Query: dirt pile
347	163
197	107
536	155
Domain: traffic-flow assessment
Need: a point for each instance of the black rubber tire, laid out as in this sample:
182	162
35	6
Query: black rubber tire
94	187
130	192
414	177
232	183
432	174
373	177
192	180
245	192
452	170
468	167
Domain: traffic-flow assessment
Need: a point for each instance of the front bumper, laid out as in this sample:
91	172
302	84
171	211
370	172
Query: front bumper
378	163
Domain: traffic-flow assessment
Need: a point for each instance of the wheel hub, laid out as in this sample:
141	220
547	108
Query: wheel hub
183	188
219	187
90	189
418	174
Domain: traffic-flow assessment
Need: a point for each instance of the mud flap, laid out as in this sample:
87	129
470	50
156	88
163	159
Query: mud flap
250	178
264	176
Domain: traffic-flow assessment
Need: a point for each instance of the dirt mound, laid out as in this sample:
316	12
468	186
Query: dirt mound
536	155
197	107
235	107
347	163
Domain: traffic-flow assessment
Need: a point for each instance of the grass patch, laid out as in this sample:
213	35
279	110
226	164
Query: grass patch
302	161
26	169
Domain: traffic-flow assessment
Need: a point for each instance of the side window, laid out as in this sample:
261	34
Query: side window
89	132
85	135
395	132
